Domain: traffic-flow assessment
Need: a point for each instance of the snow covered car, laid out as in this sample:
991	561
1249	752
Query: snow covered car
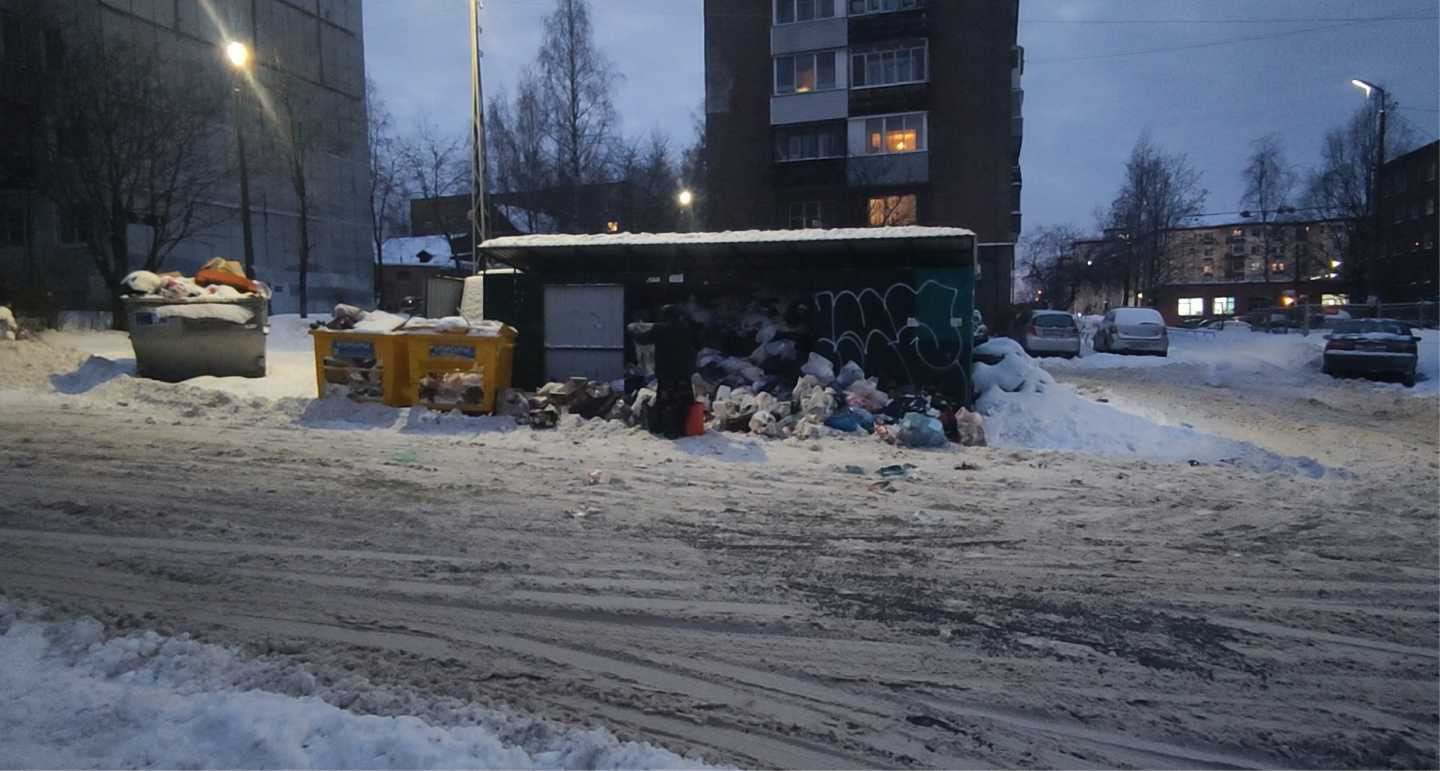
1372	347
1049	333
1133	330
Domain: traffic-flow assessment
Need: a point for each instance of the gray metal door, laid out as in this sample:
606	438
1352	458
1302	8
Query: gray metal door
584	331
442	296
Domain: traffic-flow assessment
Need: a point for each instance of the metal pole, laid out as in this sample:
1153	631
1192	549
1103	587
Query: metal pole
477	140
245	232
1370	287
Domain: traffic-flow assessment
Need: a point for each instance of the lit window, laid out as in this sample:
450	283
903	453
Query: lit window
1278	267
1237	233
1192	306
895	134
612	227
1334	299
889	210
803	73
1223	306
888	66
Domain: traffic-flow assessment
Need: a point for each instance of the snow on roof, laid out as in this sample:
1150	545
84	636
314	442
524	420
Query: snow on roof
406	250
727	237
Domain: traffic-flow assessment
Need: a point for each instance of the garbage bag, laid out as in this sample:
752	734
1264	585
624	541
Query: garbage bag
849	374
820	368
143	282
844	420
970	428
916	430
783	350
867	395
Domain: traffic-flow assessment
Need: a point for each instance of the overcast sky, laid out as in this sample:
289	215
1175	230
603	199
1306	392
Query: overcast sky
1084	103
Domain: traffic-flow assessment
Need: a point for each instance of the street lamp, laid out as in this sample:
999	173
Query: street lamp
239	55
687	200
1370	88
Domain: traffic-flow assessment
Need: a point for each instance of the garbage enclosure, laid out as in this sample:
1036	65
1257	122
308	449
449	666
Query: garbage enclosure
486	356
364	366
176	341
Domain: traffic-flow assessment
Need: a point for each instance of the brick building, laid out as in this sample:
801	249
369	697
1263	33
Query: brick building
1409	225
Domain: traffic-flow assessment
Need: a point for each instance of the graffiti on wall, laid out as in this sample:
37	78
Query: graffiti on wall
912	334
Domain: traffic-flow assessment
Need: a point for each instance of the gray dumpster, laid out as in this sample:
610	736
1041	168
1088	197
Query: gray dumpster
177	341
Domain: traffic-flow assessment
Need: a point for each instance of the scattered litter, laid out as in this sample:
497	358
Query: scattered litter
404	456
854	470
895	471
593	478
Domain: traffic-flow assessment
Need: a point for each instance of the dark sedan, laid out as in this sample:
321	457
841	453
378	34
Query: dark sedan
1372	347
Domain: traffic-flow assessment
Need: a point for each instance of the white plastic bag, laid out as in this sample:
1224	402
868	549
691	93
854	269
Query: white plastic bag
820	368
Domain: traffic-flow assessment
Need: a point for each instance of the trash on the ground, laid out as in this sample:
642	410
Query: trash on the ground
894	471
403	456
854	470
593	478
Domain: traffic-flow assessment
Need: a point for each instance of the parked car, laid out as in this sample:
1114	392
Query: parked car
1049	333
1221	325
1133	330
1372	347
982	332
1194	323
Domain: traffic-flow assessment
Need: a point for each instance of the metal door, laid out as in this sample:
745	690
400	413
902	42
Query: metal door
584	331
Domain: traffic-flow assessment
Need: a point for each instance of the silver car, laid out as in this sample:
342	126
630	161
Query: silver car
1133	330
1049	333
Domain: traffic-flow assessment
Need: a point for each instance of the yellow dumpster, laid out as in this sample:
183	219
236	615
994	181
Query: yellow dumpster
464	371
364	366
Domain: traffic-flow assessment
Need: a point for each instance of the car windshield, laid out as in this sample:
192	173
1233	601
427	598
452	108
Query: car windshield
1370	326
1129	316
1054	320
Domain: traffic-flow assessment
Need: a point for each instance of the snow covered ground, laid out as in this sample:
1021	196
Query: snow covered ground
77	698
750	602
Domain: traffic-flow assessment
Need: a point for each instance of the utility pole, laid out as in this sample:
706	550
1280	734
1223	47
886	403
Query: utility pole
477	139
1367	276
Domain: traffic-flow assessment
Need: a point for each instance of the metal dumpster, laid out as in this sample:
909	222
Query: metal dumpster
364	366
176	341
440	353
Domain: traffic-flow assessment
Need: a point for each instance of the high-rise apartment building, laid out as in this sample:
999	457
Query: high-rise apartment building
849	113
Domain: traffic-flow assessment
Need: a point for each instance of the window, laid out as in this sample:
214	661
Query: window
613	226
1192	306
889	65
1223	306
1331	300
1237	233
886	210
803	73
861	7
803	143
1430	205
1254	250
895	134
1429	241
1430	172
806	214
1209	251
787	11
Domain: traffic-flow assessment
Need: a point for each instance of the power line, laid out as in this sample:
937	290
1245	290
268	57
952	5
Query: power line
1232	41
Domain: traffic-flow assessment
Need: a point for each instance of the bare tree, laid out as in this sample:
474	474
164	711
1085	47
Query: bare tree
647	170
298	133
577	81
1160	192
437	166
1343	186
520	160
1050	264
1269	182
131	140
695	170
387	189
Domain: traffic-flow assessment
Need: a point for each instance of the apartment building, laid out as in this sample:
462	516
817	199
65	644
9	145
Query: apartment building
852	113
1410	224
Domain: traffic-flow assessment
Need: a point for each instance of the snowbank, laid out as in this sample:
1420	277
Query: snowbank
76	700
1025	408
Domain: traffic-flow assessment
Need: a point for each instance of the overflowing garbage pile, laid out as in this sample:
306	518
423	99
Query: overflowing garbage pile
819	402
354	319
212	293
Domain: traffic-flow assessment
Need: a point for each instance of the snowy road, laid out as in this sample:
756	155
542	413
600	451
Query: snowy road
757	603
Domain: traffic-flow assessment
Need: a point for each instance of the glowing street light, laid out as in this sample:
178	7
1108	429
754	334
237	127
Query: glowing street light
686	198
237	53
1363	86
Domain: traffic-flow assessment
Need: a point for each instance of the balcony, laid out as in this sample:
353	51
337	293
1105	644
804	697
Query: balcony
809	36
810	107
889	170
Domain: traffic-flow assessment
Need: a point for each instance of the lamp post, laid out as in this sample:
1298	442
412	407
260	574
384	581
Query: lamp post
687	205
1365	275
239	56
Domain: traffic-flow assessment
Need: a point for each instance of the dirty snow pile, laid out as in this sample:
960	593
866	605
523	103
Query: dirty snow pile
74	699
1025	408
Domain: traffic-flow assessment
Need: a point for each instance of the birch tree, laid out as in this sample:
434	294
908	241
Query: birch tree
577	81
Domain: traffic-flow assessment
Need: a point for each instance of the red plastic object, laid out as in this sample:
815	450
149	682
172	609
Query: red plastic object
695	420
